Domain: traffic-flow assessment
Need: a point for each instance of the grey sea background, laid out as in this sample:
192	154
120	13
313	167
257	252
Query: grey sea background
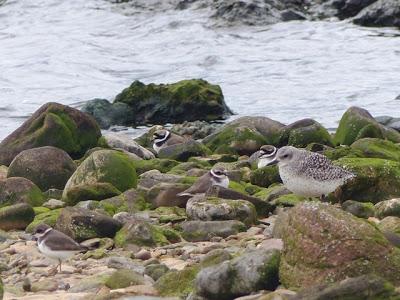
73	51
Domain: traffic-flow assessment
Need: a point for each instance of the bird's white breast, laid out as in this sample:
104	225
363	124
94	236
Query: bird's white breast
63	255
224	182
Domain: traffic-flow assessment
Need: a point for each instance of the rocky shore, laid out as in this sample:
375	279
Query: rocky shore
252	240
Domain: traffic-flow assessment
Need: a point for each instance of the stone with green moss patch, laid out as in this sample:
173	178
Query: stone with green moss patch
163	165
377	148
265	176
170	214
123	278
40	209
52	125
288	200
16	216
359	209
388	208
94	191
20	190
49	218
184	151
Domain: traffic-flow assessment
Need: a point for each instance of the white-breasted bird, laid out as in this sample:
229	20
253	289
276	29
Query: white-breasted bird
266	155
163	138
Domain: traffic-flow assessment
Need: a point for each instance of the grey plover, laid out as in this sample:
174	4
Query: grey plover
55	244
216	176
163	138
266	155
309	174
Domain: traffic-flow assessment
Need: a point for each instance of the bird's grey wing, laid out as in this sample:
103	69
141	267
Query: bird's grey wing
319	167
59	241
200	186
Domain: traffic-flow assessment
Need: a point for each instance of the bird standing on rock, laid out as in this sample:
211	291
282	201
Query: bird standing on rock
55	244
163	138
307	173
216	176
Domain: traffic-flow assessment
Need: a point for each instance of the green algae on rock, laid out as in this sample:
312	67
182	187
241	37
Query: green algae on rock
20	190
184	151
94	191
359	209
265	176
324	244
377	148
123	278
52	125
186	100
104	166
163	165
16	216
49	218
357	123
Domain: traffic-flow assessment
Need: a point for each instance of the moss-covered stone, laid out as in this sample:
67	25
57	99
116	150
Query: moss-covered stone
182	168
304	132
177	283
377	148
20	190
186	100
391	224
357	123
140	233
104	166
342	151
16	216
184	151
40	209
155	271
123	278
265	176
52	125
288	200
94	191
170	214
130	201
49	218
359	209
163	165
376	179
324	244
1	289
388	208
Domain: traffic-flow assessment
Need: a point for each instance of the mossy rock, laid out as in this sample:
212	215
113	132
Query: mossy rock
140	233
304	132
357	123
16	216
184	151
265	176
210	160
359	209
391	224
236	186
342	151
40	210
55	125
182	168
49	218
20	190
104	166
377	148
186	100
288	200
376	179
170	214
130	201
235	139
388	208
123	278
163	165
94	191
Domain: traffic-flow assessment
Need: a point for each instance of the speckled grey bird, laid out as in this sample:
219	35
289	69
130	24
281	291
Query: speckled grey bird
266	155
309	174
163	138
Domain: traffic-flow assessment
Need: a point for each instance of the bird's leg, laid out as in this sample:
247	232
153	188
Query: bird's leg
59	260
322	198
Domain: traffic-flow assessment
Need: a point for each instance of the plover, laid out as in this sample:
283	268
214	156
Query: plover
266	155
309	174
163	138
216	176
55	244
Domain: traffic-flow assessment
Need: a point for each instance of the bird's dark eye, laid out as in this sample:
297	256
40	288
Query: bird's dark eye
286	156
39	231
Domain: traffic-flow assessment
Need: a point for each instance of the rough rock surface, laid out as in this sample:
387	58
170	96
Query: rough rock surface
19	190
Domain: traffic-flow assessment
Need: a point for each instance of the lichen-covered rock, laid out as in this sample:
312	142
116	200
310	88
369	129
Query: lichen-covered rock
162	165
357	123
52	125
323	244
359	209
123	278
107	114
303	132
48	167
377	148
82	224
140	233
376	179
155	271
390	224
130	201
94	191
196	231
166	194
151	178
16	216
252	271
381	13
388	208
366	287
186	100
104	166
48	217
216	209
121	141
265	176
166	214
184	151
20	190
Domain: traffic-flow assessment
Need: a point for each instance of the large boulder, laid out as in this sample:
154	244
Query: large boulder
109	167
48	167
16	216
20	190
381	13
252	271
376	179
303	132
196	231
83	224
55	125
323	244
357	123
186	100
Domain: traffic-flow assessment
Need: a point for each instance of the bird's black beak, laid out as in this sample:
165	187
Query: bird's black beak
34	238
